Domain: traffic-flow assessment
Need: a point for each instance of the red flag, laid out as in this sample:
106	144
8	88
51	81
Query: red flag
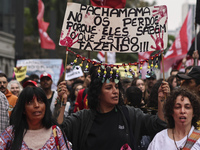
46	41
181	45
109	3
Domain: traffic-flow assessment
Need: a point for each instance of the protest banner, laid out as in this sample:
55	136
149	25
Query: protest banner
20	73
74	73
126	30
39	66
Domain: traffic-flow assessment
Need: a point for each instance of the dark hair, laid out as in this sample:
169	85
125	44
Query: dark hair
97	80
24	80
134	96
34	76
134	81
169	106
3	75
73	89
18	118
153	97
171	79
173	71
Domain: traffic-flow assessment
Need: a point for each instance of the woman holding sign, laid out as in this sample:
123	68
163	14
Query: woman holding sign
109	124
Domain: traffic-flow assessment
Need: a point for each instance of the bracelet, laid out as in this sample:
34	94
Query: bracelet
58	100
63	104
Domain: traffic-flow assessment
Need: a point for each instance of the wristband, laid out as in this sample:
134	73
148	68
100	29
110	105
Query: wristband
58	100
63	104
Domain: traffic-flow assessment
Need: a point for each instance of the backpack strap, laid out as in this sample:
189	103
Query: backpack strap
55	136
192	139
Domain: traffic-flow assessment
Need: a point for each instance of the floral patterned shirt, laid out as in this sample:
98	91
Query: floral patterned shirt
7	136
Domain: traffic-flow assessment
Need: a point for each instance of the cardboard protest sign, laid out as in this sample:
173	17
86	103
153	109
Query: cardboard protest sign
115	30
74	73
20	73
39	66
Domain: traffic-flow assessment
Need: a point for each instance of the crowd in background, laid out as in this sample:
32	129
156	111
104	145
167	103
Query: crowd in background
136	92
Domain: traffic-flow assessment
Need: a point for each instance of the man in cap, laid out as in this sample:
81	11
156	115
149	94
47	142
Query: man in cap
46	83
29	83
12	99
192	79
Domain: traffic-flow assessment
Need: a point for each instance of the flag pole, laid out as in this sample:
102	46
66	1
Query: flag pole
195	49
163	66
65	63
66	56
106	58
163	71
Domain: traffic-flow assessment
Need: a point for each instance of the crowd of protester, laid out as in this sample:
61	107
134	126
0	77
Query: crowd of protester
100	111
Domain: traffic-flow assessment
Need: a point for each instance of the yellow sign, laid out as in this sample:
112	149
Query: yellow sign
20	73
127	74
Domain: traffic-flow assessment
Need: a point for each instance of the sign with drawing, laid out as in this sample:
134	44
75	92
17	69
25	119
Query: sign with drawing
126	30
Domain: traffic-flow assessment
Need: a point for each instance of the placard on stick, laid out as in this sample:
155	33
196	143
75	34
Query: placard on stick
126	30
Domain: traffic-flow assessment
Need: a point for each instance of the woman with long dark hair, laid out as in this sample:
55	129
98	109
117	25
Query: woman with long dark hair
32	126
108	124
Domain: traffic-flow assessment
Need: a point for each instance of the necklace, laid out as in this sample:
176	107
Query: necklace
175	141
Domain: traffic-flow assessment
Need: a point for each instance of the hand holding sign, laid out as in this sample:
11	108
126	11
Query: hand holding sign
114	30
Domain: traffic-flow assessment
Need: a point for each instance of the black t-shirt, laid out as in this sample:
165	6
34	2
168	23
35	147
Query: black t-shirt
107	132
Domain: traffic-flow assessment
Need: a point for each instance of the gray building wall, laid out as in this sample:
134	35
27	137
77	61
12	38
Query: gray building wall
7	53
7	38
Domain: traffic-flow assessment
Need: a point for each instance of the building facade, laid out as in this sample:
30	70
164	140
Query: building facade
7	38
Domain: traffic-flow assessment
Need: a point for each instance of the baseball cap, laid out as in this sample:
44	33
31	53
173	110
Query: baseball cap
29	82
151	75
45	75
194	73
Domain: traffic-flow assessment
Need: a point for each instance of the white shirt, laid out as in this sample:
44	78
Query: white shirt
52	106
164	142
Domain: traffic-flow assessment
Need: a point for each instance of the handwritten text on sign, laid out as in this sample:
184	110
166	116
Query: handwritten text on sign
119	30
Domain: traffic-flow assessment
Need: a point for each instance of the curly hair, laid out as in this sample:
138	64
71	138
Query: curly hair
97	80
170	102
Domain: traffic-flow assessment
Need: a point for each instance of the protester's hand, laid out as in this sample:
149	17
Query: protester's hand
163	91
69	67
195	55
184	61
62	91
